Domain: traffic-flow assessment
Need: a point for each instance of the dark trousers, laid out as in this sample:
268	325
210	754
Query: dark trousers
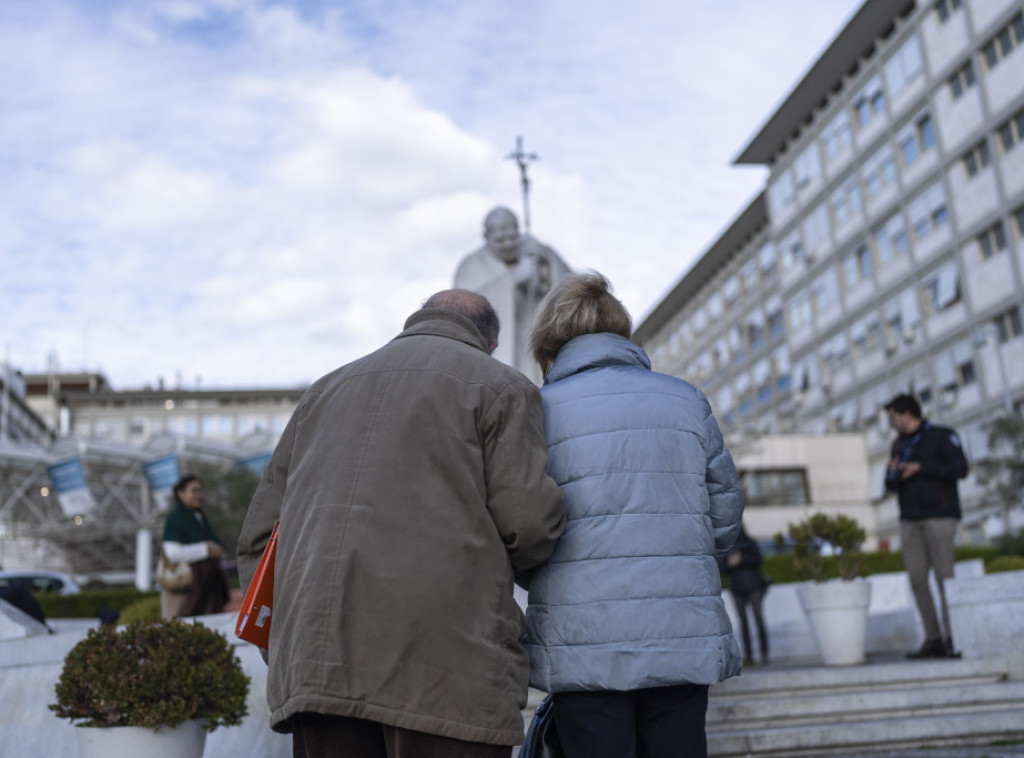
659	722
318	735
755	602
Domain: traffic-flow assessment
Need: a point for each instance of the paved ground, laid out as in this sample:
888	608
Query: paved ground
1004	751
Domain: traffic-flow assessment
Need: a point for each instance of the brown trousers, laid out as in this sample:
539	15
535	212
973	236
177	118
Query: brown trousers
318	735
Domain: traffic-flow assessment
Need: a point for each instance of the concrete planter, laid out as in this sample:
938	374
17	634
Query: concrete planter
837	612
185	741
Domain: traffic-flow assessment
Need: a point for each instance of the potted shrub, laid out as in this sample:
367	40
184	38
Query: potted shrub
167	683
836	608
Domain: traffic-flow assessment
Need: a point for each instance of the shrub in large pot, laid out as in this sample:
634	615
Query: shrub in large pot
836	609
167	683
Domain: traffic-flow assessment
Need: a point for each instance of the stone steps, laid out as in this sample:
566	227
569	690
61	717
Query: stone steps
816	711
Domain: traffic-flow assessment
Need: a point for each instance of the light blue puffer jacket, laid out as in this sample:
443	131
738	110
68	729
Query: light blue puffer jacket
631	597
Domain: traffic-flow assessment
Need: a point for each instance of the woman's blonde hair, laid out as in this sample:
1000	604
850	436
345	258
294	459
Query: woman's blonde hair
580	304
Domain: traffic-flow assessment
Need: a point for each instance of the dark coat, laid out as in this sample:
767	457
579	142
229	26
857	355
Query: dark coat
932	492
745	577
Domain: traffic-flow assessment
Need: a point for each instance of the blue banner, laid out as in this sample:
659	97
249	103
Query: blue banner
162	473
68	479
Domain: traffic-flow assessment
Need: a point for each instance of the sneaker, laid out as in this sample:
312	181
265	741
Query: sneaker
930	649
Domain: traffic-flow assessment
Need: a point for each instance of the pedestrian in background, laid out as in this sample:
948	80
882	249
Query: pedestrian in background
626	625
189	537
924	467
748	587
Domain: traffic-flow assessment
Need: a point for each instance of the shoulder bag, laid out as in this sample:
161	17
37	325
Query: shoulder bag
173	576
541	738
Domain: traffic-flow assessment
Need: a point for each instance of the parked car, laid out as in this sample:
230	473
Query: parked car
40	581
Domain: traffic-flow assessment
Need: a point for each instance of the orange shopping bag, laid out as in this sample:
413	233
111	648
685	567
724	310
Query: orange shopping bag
254	618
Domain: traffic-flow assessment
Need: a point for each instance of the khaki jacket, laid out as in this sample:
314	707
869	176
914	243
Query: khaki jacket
409	484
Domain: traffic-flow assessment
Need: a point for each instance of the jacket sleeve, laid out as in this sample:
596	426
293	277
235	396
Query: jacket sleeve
524	502
949	462
723	485
265	507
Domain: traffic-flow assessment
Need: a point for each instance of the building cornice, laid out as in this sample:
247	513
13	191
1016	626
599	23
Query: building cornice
874	19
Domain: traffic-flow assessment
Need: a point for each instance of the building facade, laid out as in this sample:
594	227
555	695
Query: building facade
886	251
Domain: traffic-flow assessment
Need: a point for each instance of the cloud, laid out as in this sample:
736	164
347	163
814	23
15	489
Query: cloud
258	191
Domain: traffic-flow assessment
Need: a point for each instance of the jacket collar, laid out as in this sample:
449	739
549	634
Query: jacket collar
591	351
444	323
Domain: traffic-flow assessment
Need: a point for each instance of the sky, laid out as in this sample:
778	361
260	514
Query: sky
250	193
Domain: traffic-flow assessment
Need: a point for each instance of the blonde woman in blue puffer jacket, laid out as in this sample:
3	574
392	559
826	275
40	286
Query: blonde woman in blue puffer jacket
626	626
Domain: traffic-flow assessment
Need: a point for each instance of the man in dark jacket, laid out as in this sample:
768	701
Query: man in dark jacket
409	484
926	461
747	585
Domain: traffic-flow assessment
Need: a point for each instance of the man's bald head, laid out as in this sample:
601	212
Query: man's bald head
476	308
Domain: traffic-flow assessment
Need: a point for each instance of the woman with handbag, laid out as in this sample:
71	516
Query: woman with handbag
189	571
626	626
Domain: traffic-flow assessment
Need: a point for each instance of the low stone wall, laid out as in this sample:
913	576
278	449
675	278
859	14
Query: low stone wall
987	615
894	625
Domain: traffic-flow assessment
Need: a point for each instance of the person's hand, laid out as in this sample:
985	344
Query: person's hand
733	559
214	550
909	469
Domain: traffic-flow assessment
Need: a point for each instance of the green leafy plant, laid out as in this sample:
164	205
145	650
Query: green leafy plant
809	536
152	674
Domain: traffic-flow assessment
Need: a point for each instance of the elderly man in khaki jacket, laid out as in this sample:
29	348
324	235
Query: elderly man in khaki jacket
410	484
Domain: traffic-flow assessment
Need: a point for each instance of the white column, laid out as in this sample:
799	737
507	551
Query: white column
144	559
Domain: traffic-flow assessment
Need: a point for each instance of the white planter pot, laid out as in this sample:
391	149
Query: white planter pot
185	741
837	612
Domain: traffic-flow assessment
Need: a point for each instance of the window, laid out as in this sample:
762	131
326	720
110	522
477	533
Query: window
836	354
837	136
992	241
928	211
891	239
846	202
737	345
762	372
962	80
775	487
731	289
977	158
767	260
776	318
941	290
716	308
1012	132
879	171
954	367
817	229
1008	325
917	139
1001	45
781	191
902	315
801	312
825	290
792	252
870	102
755	327
1018	222
903	66
780	363
807	166
866	335
748	275
857	266
945	8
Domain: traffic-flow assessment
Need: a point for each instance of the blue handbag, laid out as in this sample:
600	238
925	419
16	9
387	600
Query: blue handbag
541	738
